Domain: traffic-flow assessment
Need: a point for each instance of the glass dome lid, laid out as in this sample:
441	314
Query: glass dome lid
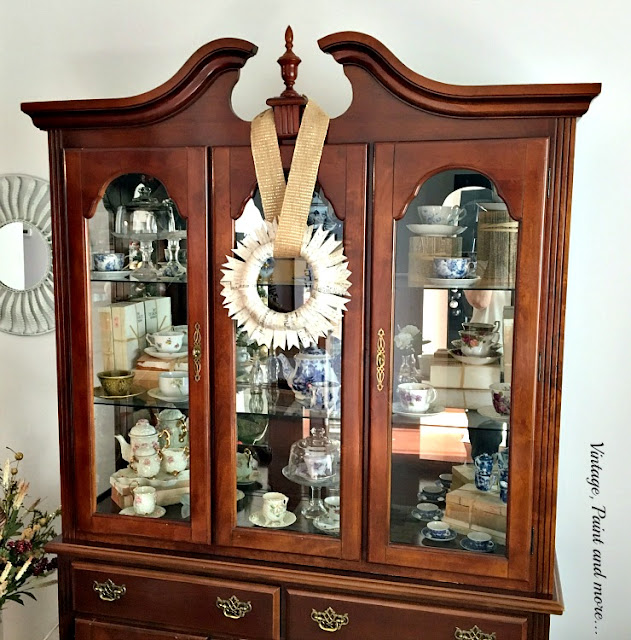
314	460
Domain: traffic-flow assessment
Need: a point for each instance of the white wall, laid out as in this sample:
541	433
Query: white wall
73	49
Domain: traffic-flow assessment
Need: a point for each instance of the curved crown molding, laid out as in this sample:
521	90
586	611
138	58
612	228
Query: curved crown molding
197	73
351	48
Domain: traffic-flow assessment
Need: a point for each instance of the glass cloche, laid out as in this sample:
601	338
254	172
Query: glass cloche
314	462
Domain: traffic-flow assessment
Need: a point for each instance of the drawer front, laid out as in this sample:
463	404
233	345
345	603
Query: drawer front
317	616
203	605
92	630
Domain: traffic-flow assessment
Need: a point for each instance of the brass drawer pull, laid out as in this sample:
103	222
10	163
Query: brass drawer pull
108	591
197	352
380	360
329	620
233	607
475	633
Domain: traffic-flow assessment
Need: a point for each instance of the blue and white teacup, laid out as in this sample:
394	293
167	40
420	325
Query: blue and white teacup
485	481
504	491
437	214
427	510
108	261
502	459
453	268
438	530
325	396
479	540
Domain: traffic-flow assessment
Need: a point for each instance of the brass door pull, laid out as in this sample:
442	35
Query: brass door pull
380	360
475	633
196	352
328	620
108	591
233	607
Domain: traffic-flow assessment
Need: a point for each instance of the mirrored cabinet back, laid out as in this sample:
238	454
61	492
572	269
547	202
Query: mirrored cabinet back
359	437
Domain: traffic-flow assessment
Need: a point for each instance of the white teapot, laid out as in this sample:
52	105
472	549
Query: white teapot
143	440
176	423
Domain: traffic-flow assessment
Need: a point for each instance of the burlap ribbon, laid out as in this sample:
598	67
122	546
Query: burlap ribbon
288	202
507	227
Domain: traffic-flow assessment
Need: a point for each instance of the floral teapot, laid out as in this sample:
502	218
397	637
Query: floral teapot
143	440
311	365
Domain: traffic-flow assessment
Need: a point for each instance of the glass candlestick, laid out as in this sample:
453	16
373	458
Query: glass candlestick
173	268
146	270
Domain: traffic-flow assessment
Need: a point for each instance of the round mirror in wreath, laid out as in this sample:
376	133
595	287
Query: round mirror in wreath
26	265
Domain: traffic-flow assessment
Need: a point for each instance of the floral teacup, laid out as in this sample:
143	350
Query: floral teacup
474	344
274	506
501	397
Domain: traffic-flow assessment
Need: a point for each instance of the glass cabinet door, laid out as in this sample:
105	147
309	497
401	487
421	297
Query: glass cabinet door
139	391
455	353
289	416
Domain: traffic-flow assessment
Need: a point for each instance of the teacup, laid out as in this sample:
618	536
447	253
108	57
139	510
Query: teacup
144	500
433	491
274	506
416	396
501	397
436	214
108	261
325	396
445	479
454	268
332	504
175	461
479	540
244	465
481	328
146	466
166	341
438	529
504	491
485	481
116	382
173	383
427	510
474	344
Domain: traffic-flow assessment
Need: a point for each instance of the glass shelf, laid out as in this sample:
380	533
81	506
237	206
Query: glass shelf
141	401
285	404
128	280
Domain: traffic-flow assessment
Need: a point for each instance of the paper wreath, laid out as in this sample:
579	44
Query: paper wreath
321	313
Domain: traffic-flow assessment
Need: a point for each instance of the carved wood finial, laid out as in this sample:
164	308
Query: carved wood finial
288	106
289	62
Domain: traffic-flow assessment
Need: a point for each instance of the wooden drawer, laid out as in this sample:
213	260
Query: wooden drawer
203	605
93	630
372	618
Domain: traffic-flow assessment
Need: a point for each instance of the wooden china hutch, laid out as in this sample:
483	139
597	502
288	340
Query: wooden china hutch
149	195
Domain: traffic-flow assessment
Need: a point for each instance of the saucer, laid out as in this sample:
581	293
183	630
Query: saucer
474	360
426	533
109	275
326	525
419	515
240	495
259	520
158	512
246	483
421	497
400	410
444	230
466	544
136	390
163	355
489	412
155	393
453	283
